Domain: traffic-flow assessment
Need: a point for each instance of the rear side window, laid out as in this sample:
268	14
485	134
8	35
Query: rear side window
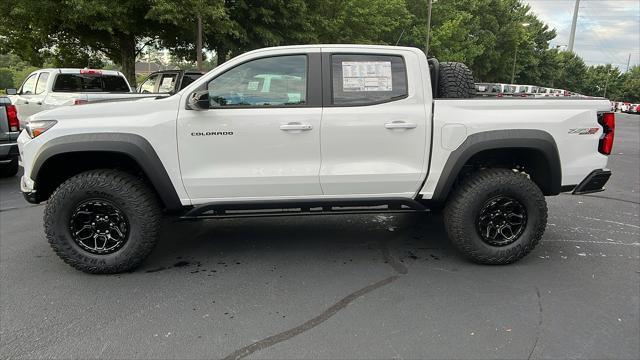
89	83
367	79
168	83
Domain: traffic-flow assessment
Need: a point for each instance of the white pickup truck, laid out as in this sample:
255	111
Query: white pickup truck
339	129
46	89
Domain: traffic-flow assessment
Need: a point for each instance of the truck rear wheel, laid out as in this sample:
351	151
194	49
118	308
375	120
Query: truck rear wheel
455	81
103	221
496	216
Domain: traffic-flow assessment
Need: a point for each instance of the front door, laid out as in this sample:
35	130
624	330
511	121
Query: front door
260	138
374	124
25	100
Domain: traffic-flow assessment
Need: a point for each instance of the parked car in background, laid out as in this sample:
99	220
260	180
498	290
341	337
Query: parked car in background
168	81
51	88
527	89
9	131
488	89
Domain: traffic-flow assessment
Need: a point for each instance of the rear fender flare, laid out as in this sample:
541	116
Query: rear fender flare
538	140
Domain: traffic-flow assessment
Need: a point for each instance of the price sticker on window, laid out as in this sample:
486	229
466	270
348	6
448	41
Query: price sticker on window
367	76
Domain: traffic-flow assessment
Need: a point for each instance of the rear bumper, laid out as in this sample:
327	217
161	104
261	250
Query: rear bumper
594	182
8	152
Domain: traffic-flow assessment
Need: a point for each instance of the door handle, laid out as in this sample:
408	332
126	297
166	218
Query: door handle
296	126
400	125
26	102
39	103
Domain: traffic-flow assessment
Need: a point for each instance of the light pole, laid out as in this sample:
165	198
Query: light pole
572	36
515	58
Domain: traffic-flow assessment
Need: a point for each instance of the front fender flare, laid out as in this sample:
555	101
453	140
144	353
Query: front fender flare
134	146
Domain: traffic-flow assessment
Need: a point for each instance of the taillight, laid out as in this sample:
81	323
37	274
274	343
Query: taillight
79	101
12	116
608	122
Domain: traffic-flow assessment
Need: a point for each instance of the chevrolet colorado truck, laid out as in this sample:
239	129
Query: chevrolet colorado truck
316	129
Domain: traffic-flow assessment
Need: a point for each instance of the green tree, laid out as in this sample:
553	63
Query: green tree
118	29
627	87
571	72
6	78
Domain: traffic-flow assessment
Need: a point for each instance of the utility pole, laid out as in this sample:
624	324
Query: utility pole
199	45
572	37
628	62
430	3
513	73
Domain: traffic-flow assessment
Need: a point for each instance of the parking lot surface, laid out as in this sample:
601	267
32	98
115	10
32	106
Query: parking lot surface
369	286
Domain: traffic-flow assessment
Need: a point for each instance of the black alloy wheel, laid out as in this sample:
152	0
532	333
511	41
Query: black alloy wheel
99	227
501	220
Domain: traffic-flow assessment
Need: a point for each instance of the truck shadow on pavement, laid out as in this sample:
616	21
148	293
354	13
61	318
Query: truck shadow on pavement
395	240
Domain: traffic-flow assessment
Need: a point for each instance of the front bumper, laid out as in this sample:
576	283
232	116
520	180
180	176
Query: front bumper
594	182
27	187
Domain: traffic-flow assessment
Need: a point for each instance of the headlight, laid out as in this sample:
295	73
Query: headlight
36	128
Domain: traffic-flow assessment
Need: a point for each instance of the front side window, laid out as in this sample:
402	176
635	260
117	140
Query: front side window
42	82
29	85
274	81
149	85
367	79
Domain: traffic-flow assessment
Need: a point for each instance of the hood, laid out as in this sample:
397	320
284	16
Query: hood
106	109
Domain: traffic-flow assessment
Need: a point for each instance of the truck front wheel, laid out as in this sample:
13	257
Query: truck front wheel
496	216
103	221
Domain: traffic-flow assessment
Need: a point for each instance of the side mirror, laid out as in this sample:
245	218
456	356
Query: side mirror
11	91
198	100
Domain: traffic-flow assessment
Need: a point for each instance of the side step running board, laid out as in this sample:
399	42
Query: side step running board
228	209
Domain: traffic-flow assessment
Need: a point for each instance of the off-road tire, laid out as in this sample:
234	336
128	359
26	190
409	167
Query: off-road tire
455	81
9	169
464	205
130	194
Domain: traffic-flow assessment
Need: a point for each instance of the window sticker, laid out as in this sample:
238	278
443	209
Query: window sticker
366	76
253	85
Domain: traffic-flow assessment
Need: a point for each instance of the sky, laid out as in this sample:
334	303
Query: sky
607	31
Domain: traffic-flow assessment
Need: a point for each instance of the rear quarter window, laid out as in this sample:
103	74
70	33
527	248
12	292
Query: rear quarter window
359	79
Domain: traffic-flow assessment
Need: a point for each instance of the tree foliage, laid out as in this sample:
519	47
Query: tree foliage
497	39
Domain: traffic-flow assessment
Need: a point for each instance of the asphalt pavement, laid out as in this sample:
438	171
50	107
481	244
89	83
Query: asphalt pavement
368	286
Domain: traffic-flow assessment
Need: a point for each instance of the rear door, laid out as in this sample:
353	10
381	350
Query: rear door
374	129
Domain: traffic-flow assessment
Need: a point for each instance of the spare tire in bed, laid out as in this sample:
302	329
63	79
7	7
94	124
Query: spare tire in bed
455	81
